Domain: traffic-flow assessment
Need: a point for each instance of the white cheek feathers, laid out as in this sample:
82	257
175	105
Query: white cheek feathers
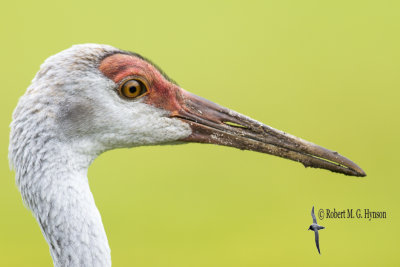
138	124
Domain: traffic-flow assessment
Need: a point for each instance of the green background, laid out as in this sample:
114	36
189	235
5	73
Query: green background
326	71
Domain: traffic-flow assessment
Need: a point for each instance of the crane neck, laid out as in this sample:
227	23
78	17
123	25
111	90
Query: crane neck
52	178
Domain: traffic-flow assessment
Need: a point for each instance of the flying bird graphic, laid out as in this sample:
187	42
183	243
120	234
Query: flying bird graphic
315	227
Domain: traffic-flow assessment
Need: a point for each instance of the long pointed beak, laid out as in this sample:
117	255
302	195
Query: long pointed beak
214	124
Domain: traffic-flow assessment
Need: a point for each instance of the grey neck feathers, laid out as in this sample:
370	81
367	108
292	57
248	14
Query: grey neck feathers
51	176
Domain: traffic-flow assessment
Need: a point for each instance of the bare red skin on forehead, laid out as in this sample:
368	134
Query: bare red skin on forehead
162	93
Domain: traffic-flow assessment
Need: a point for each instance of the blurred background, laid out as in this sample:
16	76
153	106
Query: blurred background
324	71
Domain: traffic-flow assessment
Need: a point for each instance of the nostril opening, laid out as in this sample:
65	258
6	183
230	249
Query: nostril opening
236	125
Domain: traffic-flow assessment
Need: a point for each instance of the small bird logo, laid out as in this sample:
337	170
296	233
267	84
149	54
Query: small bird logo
315	227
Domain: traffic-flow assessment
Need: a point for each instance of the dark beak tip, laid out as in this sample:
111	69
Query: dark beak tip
355	171
359	172
362	173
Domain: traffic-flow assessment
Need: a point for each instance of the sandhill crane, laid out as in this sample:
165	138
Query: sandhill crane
91	98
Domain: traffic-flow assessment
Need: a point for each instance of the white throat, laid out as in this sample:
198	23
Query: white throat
58	193
51	173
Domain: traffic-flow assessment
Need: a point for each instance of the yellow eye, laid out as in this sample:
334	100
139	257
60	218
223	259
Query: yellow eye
133	88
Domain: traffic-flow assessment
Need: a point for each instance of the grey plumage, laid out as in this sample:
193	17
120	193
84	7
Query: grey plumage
315	227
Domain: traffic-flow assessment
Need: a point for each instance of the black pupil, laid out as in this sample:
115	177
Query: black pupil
132	89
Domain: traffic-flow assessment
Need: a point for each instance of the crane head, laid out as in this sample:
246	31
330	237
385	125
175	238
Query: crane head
101	98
